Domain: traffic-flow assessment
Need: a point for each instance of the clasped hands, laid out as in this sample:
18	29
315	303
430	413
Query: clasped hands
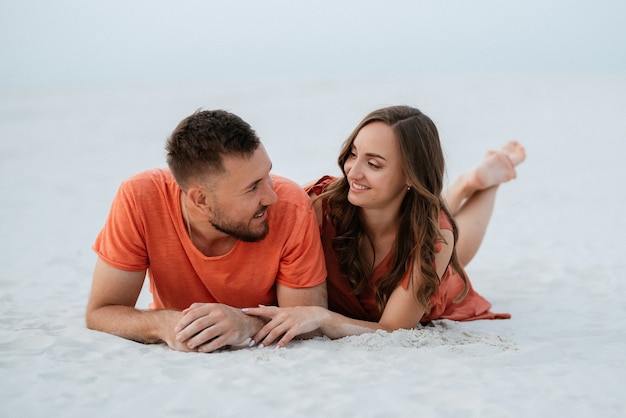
207	327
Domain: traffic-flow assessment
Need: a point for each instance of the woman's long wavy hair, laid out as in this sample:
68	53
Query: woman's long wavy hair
414	249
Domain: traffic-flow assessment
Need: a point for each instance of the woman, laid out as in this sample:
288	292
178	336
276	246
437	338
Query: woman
393	251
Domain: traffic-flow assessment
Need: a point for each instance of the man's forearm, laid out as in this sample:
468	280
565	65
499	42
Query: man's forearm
146	327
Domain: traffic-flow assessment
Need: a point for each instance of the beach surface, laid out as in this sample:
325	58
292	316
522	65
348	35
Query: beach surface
553	256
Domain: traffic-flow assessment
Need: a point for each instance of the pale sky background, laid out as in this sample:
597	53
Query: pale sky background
47	43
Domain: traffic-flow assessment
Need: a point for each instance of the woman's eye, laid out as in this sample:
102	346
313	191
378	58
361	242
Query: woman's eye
373	164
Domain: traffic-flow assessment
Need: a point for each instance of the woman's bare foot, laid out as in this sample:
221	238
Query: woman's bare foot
497	167
515	151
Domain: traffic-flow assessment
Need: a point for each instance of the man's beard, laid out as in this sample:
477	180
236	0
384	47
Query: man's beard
240	231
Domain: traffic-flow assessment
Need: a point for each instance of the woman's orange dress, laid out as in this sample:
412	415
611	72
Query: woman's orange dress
363	306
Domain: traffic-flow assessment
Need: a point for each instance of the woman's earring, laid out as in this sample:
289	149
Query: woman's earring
408	188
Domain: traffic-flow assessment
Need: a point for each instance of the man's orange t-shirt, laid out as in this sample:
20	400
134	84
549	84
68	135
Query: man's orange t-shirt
145	230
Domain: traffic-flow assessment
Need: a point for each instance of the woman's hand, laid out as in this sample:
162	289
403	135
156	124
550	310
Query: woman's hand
286	322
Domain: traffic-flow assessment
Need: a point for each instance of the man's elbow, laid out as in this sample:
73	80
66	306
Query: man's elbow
94	317
90	319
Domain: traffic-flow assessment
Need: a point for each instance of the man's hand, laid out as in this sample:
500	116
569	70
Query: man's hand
168	319
207	327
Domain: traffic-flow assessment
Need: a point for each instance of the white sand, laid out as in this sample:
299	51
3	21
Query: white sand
553	257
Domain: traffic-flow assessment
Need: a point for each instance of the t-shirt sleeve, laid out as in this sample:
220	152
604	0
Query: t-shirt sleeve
302	264
121	242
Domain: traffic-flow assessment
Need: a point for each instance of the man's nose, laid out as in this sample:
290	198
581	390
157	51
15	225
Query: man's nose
269	196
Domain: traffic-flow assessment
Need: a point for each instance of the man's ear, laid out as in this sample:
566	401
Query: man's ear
199	198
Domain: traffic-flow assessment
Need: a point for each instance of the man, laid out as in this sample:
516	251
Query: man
215	233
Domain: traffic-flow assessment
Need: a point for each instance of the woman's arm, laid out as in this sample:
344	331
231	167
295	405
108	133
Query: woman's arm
285	324
402	311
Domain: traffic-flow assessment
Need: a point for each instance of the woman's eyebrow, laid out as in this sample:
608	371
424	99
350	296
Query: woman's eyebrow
370	154
374	155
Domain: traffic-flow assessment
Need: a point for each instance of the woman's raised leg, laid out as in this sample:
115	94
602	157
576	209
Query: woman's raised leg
471	197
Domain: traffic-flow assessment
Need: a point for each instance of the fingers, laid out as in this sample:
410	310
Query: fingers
274	330
192	313
289	335
267	334
279	326
262	310
176	345
270	312
213	345
198	333
210	327
199	328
